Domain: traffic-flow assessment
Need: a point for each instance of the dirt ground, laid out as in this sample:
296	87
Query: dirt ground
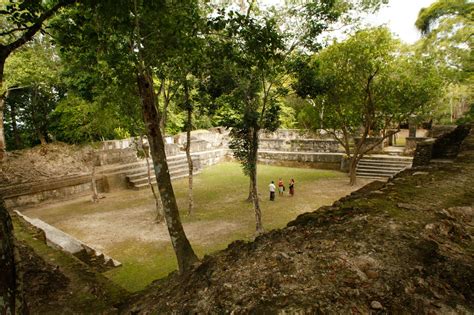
106	227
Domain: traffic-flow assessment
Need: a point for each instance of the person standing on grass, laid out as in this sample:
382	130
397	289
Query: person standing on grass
272	191
281	187
292	187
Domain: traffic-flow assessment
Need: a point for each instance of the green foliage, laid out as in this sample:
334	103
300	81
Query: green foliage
121	133
33	106
287	117
370	82
468	117
34	88
447	28
244	79
79	121
176	122
36	63
428	16
19	16
73	118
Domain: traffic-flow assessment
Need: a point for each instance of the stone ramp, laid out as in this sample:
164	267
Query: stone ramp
65	242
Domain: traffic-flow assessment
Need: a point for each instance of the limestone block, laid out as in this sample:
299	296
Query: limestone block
411	144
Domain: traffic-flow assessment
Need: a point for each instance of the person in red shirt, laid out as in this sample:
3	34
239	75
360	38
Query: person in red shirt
281	187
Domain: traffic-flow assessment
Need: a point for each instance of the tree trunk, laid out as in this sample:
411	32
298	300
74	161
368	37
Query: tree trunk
253	180
42	138
34	116
159	208
16	134
183	250
3	151
7	264
249	198
95	195
190	162
352	170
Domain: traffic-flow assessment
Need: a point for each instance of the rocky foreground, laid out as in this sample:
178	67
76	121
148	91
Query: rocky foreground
405	246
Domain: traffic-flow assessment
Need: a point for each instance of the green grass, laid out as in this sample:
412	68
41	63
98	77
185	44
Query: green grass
220	194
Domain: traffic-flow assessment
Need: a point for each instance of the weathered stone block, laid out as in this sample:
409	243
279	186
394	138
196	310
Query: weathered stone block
411	144
376	143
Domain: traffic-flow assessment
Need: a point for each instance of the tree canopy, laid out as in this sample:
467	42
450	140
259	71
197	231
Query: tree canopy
364	86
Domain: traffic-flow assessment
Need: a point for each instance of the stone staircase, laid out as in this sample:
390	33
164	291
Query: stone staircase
137	177
382	166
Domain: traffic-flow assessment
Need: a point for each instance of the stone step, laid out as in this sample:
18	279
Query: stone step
121	168
145	185
382	163
441	161
379	172
371	176
118	169
143	171
389	159
377	166
375	169
144	180
177	166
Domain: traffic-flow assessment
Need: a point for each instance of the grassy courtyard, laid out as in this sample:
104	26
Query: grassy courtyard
121	225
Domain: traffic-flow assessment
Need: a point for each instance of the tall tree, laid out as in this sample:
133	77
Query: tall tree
32	82
447	26
367	86
131	39
245	78
23	19
250	52
148	47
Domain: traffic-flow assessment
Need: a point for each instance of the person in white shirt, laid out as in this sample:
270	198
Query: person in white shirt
272	191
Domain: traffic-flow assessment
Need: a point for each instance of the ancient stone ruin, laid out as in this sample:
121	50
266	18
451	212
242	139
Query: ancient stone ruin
117	166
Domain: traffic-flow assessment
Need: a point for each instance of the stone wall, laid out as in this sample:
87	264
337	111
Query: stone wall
117	158
172	149
294	134
411	144
208	158
375	142
216	138
302	159
116	144
423	153
201	145
447	146
53	189
299	145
